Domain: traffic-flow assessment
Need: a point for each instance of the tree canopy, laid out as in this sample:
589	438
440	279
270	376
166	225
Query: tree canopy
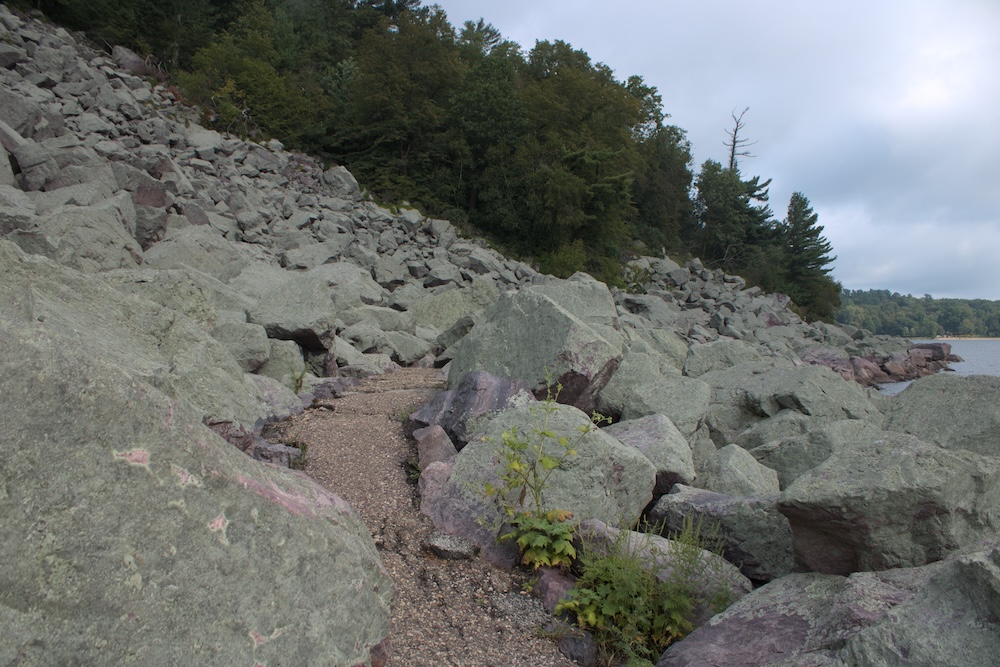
894	314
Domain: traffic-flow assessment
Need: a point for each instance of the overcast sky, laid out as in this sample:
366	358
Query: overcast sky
884	113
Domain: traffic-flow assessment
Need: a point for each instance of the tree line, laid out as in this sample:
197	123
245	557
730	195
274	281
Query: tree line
541	150
894	314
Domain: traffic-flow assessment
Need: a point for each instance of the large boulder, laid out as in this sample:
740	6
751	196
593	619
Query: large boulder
753	534
939	615
794	456
646	384
603	480
289	305
478	394
950	411
442	310
148	539
201	248
815	391
951	621
740	474
85	238
660	442
151	343
718	355
565	333
891	501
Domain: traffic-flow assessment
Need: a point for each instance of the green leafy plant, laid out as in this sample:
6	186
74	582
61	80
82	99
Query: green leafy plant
634	614
635	278
527	460
297	461
545	539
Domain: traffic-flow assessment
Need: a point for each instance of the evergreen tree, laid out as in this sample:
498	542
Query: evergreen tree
807	261
732	217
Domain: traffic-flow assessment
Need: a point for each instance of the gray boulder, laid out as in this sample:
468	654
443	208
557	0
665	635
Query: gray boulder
815	391
646	384
950	621
152	343
85	238
939	615
457	410
384	318
350	285
950	411
718	355
740	474
150	539
247	342
660	442
407	349
729	414
546	334
201	248
800	620
442	310
603	480
433	445
794	456
285	364
289	305
664	342
889	502
753	534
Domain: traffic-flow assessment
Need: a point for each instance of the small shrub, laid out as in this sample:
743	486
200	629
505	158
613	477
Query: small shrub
298	461
635	279
633	614
527	459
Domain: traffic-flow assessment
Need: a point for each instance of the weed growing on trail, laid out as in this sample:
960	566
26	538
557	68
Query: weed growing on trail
527	459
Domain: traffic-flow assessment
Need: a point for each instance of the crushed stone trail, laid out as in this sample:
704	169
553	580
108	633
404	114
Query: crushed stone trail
462	613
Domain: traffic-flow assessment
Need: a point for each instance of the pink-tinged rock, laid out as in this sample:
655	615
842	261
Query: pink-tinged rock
938	351
154	196
477	393
433	445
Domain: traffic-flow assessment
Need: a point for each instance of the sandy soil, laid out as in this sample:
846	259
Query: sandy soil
464	613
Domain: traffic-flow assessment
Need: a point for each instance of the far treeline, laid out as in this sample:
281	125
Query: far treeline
542	151
893	314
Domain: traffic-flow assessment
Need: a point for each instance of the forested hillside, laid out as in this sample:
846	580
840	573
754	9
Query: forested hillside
548	154
883	312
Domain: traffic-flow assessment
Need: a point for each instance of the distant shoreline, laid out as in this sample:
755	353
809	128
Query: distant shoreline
947	339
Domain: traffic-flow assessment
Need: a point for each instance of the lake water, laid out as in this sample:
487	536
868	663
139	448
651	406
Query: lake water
980	357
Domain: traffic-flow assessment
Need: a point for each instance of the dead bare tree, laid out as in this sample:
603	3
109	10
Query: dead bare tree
736	145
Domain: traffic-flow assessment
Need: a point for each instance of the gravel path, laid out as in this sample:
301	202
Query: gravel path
464	613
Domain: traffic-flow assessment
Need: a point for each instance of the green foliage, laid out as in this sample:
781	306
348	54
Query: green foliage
526	461
633	613
570	258
298	461
732	216
893	314
543	539
635	279
807	260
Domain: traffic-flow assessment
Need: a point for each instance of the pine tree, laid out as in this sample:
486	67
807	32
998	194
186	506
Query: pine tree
808	260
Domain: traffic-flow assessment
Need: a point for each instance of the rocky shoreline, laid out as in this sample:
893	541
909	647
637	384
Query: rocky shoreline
166	289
